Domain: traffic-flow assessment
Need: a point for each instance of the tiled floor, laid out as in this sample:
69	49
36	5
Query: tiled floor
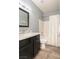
49	53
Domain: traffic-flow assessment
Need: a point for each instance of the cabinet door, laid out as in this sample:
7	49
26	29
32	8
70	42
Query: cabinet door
26	48
36	44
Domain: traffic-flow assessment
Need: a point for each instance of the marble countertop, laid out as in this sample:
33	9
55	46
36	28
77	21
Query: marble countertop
27	35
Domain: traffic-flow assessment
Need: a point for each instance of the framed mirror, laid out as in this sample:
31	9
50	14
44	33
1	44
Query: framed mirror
23	18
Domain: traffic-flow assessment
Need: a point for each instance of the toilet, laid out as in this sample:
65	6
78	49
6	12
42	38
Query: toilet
43	42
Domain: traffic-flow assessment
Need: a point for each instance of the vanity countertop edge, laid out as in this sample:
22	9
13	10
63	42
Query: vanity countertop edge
27	35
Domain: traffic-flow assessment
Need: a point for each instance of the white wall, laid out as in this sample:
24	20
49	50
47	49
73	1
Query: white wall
41	27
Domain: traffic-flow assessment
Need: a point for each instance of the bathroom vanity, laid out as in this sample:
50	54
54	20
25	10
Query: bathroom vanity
29	45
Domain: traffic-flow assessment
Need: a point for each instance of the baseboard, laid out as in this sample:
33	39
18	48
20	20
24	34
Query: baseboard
52	45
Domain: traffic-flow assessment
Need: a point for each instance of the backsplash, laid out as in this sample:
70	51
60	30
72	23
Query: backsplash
23	30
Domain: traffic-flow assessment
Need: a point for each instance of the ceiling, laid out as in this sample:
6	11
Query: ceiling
47	5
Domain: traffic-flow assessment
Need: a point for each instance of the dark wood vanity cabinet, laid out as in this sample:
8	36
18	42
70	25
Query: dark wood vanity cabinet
28	48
